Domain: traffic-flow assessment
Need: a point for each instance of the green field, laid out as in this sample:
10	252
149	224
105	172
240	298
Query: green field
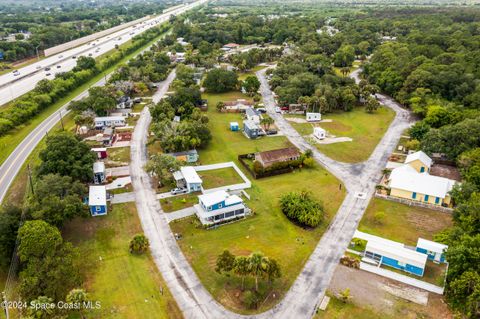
219	177
338	309
268	230
174	203
128	286
119	154
366	130
403	223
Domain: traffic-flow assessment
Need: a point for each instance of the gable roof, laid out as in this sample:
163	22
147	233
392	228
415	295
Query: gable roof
190	175
421	156
431	245
407	178
97	195
278	155
251	125
218	197
99	167
399	253
251	112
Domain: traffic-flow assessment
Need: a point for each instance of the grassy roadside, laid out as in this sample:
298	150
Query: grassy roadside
10	141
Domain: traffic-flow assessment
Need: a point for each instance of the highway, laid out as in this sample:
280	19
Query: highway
12	165
13	85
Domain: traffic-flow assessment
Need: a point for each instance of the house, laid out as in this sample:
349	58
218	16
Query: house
295	108
99	175
188	178
107	136
101	152
420	161
253	115
109	121
234	126
190	156
251	129
406	182
238	105
383	252
124	102
313	117
230	46
218	207
97	200
319	132
435	251
269	158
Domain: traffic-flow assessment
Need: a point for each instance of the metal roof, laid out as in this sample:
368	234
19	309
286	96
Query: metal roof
190	175
99	167
431	245
97	195
218	197
421	156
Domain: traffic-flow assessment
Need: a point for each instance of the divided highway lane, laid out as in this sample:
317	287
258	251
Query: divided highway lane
13	86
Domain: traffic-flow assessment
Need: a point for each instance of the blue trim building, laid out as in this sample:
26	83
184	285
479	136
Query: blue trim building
434	251
218	207
97	200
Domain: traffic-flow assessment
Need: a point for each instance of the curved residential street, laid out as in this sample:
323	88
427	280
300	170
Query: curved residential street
310	286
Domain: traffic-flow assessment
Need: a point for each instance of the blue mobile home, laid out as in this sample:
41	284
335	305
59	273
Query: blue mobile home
434	251
97	200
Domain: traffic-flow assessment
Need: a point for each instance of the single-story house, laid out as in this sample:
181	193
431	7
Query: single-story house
190	156
296	108
269	158
420	161
124	102
382	252
234	126
230	46
97	200
99	175
319	133
435	251
253	115
100	151
238	105
107	136
219	206
188	178
109	121
406	182
251	129
313	117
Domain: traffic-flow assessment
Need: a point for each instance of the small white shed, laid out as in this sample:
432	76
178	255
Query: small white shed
313	117
319	133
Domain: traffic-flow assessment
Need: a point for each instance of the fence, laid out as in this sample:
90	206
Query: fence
414	203
246	182
242	157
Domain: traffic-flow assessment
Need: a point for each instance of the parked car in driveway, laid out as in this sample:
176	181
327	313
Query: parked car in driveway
278	109
177	191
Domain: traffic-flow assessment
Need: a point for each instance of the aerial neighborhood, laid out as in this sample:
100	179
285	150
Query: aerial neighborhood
217	159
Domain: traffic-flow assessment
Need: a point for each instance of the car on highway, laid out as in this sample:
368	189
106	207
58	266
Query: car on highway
178	190
74	57
59	66
16	72
47	69
89	54
48	74
38	67
60	56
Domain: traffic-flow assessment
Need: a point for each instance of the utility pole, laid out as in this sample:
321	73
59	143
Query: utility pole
5	304
36	50
61	120
30	179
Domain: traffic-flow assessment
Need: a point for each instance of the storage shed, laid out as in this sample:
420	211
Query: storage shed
234	126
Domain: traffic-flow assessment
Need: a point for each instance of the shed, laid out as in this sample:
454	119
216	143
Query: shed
313	117
97	200
319	133
100	151
435	251
234	126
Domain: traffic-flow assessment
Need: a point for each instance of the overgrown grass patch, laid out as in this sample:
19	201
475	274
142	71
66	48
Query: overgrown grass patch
171	204
219	177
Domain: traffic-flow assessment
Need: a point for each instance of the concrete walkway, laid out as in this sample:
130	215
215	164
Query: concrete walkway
179	214
402	278
119	183
123	198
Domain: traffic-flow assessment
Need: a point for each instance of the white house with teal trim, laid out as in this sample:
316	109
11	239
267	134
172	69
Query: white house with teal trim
97	200
219	206
435	251
188	178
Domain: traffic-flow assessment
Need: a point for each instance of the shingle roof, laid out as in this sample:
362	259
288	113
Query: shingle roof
278	155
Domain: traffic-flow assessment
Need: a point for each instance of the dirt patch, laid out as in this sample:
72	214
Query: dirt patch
446	171
388	296
332	140
337	126
425	223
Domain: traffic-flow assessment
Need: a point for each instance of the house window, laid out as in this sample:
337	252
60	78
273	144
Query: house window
402	264
414	195
220	205
422	169
98	208
229	214
437	200
425	198
209	208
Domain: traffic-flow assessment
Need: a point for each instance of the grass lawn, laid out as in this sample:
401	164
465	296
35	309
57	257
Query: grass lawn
337	309
403	223
128	286
174	203
243	75
366	130
219	177
119	154
268	230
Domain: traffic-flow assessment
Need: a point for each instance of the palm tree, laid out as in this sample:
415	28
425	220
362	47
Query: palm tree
266	122
240	268
78	296
257	266
273	270
139	244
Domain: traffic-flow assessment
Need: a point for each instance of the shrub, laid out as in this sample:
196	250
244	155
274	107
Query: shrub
378	218
251	299
302	208
139	244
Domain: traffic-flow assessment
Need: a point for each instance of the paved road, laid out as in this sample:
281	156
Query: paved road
13	86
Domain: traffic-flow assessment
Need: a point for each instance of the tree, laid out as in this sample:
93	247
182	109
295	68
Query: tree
225	262
273	270
266	121
344	56
257	266
379	217
240	268
39	310
162	165
220	80
220	106
251	85
66	155
302	208
139	244
371	105
78	296
47	262
10	217
85	63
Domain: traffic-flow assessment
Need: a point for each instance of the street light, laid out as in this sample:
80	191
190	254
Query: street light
36	50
